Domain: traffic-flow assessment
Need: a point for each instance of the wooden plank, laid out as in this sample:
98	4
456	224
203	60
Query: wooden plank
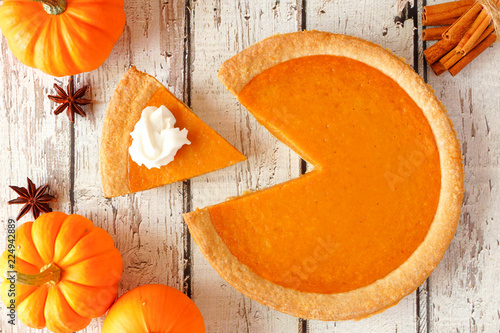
219	30
34	144
399	318
374	21
422	292
464	289
147	227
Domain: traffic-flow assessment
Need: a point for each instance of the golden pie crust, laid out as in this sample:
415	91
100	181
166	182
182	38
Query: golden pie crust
207	152
236	73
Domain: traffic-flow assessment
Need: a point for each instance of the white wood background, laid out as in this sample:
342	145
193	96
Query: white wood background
183	43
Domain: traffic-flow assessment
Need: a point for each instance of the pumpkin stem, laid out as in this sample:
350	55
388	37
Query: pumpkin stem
50	274
53	7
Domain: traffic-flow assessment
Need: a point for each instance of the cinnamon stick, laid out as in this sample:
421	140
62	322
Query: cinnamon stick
458	29
445	7
452	35
453	57
450	59
437	14
473	54
440	21
475	31
433	33
438	50
438	68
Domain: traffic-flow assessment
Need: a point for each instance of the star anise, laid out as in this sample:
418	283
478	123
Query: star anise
70	100
33	198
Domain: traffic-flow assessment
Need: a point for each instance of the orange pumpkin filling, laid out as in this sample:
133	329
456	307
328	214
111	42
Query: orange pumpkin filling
374	191
206	152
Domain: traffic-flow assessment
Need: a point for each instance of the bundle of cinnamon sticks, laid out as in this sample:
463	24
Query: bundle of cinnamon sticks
463	29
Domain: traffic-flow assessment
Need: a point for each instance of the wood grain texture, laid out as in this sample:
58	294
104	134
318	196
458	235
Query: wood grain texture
220	29
183	43
34	143
147	227
376	23
464	290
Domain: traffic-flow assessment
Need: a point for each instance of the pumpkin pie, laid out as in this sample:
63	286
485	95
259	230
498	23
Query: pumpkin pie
368	225
207	150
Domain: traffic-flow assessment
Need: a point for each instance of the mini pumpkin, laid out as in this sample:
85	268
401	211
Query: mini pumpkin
154	308
62	37
67	272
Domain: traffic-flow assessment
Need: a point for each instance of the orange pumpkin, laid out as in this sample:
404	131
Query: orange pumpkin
67	272
154	308
62	37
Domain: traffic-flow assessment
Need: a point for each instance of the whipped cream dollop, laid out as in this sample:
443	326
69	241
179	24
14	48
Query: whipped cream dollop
155	140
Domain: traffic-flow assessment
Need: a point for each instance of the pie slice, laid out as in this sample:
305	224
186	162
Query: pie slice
373	219
207	152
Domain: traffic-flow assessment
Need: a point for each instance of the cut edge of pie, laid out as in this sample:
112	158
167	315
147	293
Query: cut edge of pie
135	91
236	73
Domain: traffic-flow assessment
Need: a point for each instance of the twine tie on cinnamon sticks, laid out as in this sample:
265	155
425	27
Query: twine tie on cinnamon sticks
465	29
